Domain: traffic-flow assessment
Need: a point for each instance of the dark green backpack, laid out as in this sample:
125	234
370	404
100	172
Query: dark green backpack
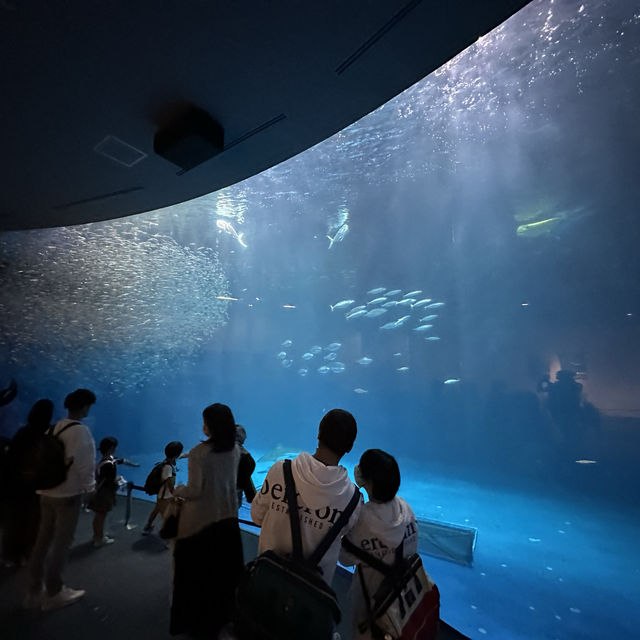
286	598
154	481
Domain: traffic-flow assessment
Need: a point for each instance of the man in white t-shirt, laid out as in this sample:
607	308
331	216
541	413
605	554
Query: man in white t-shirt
60	508
323	492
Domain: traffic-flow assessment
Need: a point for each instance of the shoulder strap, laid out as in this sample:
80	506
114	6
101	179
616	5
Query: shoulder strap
292	505
329	537
332	534
370	559
66	426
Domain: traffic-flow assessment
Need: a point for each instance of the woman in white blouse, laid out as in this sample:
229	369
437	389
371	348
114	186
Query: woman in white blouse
208	561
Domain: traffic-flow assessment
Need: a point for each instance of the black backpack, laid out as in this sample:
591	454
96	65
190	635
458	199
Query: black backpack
286	598
154	481
45	465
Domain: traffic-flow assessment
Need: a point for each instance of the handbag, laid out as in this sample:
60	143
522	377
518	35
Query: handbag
169	527
286	598
406	605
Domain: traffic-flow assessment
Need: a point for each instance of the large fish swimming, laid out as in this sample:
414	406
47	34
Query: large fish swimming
421	303
365	361
374	313
278	453
435	305
376	291
339	235
393	292
423	327
356	314
406	302
342	304
412	294
227	227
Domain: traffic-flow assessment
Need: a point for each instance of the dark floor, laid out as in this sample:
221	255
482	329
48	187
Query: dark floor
127	584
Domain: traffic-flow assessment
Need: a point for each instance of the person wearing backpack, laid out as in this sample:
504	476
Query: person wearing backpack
324	491
386	521
161	481
60	508
23	511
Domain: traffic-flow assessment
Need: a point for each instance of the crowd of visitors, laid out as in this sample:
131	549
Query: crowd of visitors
309	512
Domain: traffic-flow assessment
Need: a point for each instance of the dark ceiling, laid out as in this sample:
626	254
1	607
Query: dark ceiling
80	77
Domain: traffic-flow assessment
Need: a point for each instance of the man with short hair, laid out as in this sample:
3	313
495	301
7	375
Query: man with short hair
60	508
323	492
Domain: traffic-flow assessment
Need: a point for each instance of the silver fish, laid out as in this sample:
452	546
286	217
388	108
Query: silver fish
227	227
332	355
403	369
376	291
307	356
377	301
337	367
393	292
358	308
334	346
452	381
406	302
412	294
428	318
374	313
323	369
401	321
286	363
316	349
391	303
421	303
360	390
435	305
342	304
432	338
423	327
282	355
390	325
303	372
364	361
287	343
339	235
356	314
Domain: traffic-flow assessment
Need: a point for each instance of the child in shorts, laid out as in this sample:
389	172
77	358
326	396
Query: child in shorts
104	498
165	494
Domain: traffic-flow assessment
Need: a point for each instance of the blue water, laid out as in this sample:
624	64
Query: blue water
502	188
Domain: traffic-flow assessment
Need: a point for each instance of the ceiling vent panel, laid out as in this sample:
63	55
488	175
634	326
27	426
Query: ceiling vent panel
119	151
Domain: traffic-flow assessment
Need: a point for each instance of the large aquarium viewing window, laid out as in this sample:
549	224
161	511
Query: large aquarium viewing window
459	269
